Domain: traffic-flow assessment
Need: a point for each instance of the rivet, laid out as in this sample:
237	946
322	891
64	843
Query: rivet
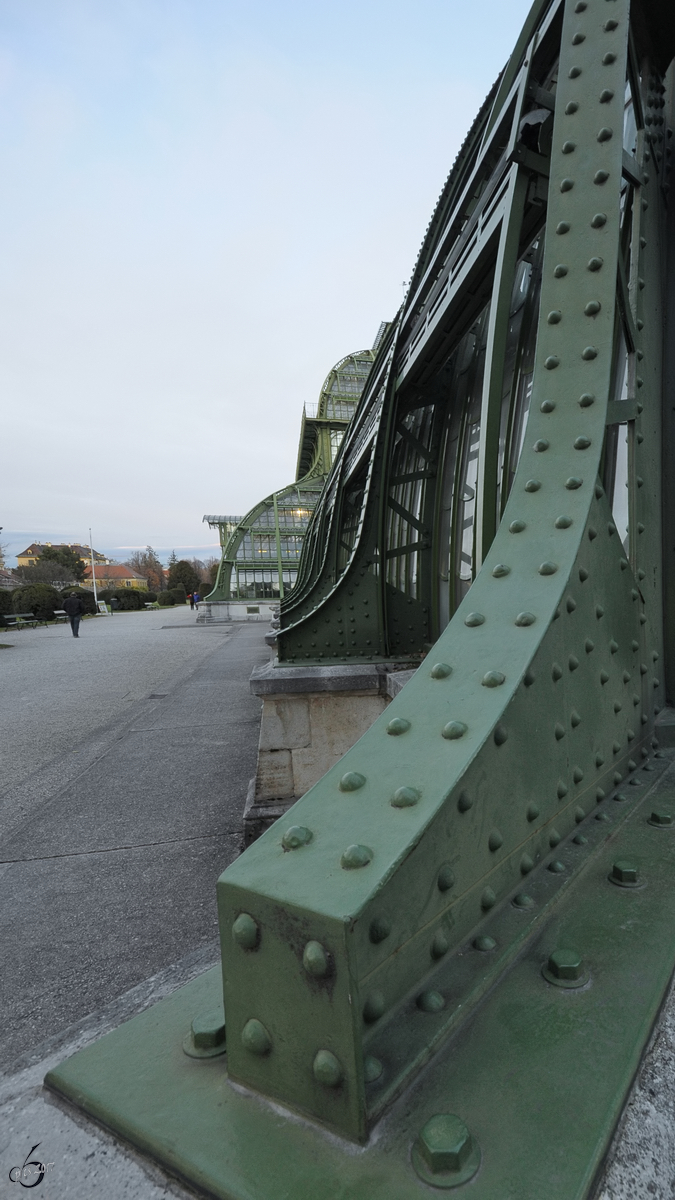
606	95
445	878
599	611
579	839
588	354
595	264
564	226
561	791
245	932
578	39
547	406
516	527
554	317
493	679
610	25
315	960
579	815
573	662
556	867
569	147
559	731
583	574
405	797
372	1068
474	619
440	945
397	726
430	1001
551	362
613	646
620	797
582	443
573	483
592	533
563	522
500	735
526	864
532	812
255	1038
616	706
539	447
589	646
636	699
484	942
586	400
533	485
560	271
464	802
495	840
599	795
379	929
608	59
351	782
327	1069
601	177
556	672
373	1007
488	899
548	568
525	618
599	760
640	527
528	677
623	563
356	856
440	671
296	836
597	222
616	747
601	816
454	730
500	570
626	677
592	308
577	775
574	72
604	677
575	719
566	184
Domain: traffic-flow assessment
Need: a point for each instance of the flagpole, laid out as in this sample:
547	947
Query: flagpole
93	572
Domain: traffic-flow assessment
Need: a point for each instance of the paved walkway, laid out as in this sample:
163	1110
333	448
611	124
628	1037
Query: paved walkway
125	768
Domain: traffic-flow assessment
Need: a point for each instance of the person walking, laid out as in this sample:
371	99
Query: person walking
74	607
191	599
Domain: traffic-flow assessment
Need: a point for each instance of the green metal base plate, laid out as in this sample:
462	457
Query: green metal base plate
538	1073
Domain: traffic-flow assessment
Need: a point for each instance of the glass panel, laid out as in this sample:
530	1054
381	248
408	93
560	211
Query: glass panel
615	478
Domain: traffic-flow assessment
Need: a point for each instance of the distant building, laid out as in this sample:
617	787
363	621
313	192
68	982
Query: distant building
34	551
114	576
8	580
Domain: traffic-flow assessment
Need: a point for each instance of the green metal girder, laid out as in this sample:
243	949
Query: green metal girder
539	1074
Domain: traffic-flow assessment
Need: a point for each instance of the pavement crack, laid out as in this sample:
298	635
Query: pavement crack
4	862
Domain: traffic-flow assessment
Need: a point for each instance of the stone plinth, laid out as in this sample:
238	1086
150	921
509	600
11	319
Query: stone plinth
311	716
217	612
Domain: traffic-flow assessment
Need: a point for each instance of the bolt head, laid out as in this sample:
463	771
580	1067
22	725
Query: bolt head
445	1144
565	964
661	818
624	871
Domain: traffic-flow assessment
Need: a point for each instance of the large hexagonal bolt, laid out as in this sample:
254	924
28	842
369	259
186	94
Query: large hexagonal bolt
565	969
206	1038
661	819
624	873
445	1153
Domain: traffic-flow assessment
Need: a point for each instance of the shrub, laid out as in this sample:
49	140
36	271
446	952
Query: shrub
39	598
166	600
179	594
5	605
149	597
85	595
182	574
130	599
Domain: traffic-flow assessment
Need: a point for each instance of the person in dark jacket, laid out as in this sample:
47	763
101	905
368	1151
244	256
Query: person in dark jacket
74	607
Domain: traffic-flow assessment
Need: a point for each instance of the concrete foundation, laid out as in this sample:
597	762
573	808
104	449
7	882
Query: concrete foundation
215	612
311	716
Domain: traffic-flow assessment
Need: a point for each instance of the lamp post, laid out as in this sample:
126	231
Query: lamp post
93	572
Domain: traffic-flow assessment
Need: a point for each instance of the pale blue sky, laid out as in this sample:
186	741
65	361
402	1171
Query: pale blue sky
204	204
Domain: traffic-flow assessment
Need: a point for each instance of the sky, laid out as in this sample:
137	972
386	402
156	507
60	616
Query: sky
204	204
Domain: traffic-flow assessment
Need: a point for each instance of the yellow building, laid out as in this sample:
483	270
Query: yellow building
114	576
30	556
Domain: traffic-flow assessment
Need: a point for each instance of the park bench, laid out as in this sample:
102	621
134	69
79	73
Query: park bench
60	614
22	620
